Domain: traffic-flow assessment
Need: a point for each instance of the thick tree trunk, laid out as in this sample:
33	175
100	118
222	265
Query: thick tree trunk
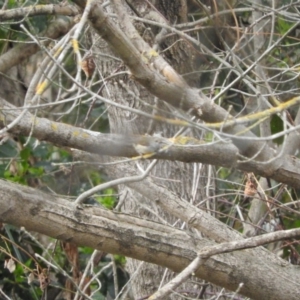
186	180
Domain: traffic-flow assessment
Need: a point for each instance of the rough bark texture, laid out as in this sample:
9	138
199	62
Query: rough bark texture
167	196
149	241
175	176
124	90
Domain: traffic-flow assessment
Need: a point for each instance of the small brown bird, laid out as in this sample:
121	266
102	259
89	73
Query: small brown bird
147	145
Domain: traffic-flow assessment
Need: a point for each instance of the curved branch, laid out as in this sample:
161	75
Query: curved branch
146	240
181	148
180	96
17	54
36	10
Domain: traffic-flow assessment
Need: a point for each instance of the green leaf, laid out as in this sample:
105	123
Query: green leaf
276	127
107	199
36	171
25	153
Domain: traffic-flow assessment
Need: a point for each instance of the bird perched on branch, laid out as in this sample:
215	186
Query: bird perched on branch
148	145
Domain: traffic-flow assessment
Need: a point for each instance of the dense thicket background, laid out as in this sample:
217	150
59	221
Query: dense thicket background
139	138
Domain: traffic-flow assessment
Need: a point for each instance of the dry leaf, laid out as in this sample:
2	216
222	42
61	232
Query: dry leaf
71	251
30	278
44	279
88	66
69	290
10	265
251	186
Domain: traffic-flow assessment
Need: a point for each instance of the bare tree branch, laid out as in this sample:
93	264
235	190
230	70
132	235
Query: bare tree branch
28	11
182	149
176	95
142	93
167	289
218	249
115	182
17	54
118	233
250	242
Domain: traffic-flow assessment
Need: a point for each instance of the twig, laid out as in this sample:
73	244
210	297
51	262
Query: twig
111	183
249	243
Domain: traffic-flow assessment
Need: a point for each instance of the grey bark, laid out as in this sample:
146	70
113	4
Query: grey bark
174	176
149	241
152	198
